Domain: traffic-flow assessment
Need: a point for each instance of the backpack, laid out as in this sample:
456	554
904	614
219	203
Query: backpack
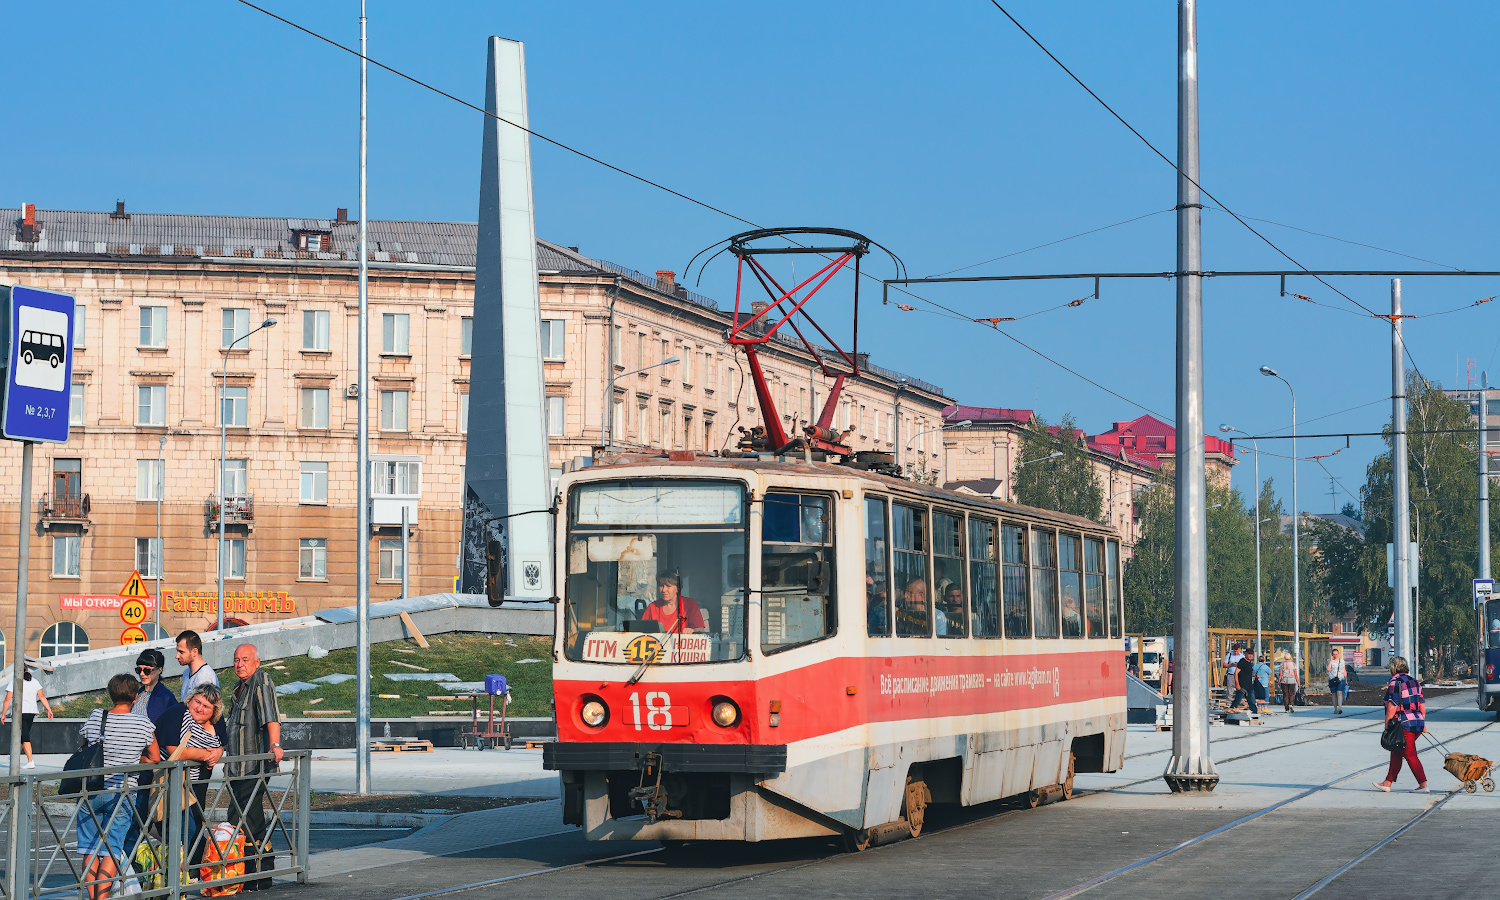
91	756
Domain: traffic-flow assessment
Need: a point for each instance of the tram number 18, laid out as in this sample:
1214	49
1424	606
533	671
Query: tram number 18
658	710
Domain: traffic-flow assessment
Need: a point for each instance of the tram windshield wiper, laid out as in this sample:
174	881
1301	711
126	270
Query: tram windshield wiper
666	645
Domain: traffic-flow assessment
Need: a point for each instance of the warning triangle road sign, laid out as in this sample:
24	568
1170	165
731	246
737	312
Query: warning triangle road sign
134	588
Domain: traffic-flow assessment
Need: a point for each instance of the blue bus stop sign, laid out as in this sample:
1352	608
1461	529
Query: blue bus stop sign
38	341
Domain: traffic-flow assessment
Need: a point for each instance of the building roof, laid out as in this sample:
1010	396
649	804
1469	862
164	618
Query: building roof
1150	435
61	232
978	414
984	487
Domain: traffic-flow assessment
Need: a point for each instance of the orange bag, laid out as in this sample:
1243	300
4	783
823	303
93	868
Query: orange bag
223	857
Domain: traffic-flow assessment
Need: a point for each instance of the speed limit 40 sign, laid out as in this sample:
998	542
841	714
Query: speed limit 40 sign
133	612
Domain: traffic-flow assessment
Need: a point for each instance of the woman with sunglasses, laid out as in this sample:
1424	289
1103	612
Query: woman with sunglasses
154	698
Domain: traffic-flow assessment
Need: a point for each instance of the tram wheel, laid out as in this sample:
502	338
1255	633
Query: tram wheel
915	808
1067	785
856	841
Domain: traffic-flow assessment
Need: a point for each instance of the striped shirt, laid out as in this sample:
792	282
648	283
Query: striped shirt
126	738
198	737
1405	694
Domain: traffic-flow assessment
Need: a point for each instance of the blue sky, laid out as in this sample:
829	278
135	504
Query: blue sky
936	129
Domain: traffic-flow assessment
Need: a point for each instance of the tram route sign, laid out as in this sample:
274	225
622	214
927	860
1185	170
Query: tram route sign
36	331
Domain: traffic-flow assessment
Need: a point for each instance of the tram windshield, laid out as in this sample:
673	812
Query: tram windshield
656	572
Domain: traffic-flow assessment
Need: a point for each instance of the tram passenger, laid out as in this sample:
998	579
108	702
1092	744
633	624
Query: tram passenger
877	614
1072	617
674	611
951	610
912	613
1495	632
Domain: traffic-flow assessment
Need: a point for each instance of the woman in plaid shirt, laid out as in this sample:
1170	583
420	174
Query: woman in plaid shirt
1404	701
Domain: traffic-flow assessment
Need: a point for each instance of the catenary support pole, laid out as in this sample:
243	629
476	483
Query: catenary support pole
1296	550
1484	477
14	868
362	517
1258	650
1400	486
1191	768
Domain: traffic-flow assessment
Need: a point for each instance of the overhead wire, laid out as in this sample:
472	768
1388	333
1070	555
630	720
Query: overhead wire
1340	240
1121	119
1051	243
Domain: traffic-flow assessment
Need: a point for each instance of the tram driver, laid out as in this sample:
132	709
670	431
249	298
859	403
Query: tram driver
674	611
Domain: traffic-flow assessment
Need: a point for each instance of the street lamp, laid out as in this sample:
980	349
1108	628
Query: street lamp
609	395
1296	515
964	424
223	440
1256	444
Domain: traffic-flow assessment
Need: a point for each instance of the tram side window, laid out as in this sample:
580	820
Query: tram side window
1072	592
1492	623
796	571
948	575
1017	600
1093	588
983	587
909	545
1112	578
1044	582
877	577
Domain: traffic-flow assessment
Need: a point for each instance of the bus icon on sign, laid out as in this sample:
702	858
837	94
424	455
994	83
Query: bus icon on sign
42	350
37	345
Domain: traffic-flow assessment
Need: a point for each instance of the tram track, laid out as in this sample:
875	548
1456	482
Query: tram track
1073	891
1254	733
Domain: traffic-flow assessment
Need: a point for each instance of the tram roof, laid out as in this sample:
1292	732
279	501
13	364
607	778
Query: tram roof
786	466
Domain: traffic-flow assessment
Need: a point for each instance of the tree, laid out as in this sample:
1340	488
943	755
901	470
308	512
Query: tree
1066	483
1149	573
1442	473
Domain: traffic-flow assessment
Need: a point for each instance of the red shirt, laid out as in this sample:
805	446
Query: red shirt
687	613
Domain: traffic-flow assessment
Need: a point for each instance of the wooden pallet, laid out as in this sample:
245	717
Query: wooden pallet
538	742
411	746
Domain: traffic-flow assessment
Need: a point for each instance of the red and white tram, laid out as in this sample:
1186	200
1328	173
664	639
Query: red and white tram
762	648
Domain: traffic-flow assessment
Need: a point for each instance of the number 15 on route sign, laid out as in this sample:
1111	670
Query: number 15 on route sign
37	330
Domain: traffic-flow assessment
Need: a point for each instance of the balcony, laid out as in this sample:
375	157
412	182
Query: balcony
239	509
66	509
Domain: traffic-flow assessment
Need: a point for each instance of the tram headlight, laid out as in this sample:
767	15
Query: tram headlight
594	713
726	714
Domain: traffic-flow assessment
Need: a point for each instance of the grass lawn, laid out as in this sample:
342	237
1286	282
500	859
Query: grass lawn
468	656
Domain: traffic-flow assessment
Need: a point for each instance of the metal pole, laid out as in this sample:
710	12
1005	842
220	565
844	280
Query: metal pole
223	438
1258	650
405	553
161	553
606	413
1414	560
1296	549
1400	487
18	647
1484	478
896	428
362	513
1191	767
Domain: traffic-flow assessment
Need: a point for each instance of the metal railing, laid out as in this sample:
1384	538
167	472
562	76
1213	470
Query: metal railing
237	508
227	829
63	506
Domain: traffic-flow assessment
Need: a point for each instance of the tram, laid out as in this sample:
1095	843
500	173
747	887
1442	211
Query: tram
765	646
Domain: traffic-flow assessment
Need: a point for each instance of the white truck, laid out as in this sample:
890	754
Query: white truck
1153	658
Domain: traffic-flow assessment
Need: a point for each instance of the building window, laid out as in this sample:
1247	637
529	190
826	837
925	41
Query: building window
153	326
396	333
233	560
315	329
642	426
67	552
150	479
151	404
617	423
640	350
391	563
314	241
687	365
312	558
393	410
463	413
234	405
63	638
79	318
148	557
614	346
75	404
314	482
666	428
396	478
466	336
666	354
556	415
235	328
236	477
552	338
315	407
